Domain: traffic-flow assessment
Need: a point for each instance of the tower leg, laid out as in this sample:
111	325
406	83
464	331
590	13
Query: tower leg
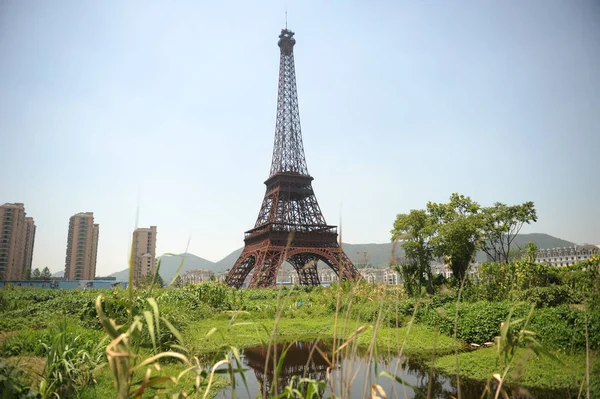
240	270
306	266
267	266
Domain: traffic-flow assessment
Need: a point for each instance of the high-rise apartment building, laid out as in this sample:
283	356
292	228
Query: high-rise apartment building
144	252
17	236
82	247
29	241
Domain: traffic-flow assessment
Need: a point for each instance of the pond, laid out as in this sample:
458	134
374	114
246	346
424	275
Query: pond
353	374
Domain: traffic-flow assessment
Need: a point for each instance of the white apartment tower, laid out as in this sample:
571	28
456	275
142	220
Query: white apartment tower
144	252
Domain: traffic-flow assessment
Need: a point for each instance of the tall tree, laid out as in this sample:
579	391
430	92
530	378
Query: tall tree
35	275
178	283
415	229
501	224
46	275
458	232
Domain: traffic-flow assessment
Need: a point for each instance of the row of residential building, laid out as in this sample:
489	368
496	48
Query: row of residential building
17	239
567	255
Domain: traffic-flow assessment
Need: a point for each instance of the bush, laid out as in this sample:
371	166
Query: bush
550	296
564	327
478	322
560	327
30	341
71	362
13	383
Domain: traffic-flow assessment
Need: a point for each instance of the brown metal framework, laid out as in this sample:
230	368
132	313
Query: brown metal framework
290	226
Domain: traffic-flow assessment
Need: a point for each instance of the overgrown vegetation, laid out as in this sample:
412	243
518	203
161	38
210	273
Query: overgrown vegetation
161	328
531	325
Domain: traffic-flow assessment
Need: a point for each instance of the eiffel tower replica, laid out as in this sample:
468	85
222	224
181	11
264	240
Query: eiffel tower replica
290	226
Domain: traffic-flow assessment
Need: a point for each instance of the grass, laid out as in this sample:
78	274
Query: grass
214	317
250	332
533	371
32	366
104	387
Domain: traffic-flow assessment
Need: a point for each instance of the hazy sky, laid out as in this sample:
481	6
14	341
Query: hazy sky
102	102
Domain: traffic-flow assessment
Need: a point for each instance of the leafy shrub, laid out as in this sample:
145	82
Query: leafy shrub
71	362
30	341
478	322
550	296
563	327
443	298
560	327
13	383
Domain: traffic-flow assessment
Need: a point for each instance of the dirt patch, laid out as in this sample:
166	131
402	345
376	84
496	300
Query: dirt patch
32	366
6	334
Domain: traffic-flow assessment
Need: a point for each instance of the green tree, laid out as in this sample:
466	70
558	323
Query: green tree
35	275
27	274
458	225
146	281
46	275
178	283
531	253
415	229
500	225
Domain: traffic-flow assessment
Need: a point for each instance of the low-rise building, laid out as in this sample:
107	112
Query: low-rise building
566	256
381	275
196	276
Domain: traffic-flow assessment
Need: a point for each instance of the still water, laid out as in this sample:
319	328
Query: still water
352	375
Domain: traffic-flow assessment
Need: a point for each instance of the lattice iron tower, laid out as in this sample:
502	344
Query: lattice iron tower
290	226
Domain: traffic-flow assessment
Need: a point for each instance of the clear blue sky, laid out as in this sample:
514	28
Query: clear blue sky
400	103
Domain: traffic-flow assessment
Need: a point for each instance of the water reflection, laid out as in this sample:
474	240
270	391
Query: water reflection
301	359
353	374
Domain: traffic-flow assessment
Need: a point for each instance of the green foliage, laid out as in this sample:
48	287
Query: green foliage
416	230
188	317
583	277
151	280
595	380
46	275
550	296
454	231
561	327
500	225
478	322
543	285
71	362
35	275
499	280
458	232
14	384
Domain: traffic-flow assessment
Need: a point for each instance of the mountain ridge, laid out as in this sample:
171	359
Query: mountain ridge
373	254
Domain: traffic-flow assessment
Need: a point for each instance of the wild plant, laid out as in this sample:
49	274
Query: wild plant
70	363
125	361
14	384
514	335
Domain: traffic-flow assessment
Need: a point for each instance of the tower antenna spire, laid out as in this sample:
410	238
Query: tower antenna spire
286	16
